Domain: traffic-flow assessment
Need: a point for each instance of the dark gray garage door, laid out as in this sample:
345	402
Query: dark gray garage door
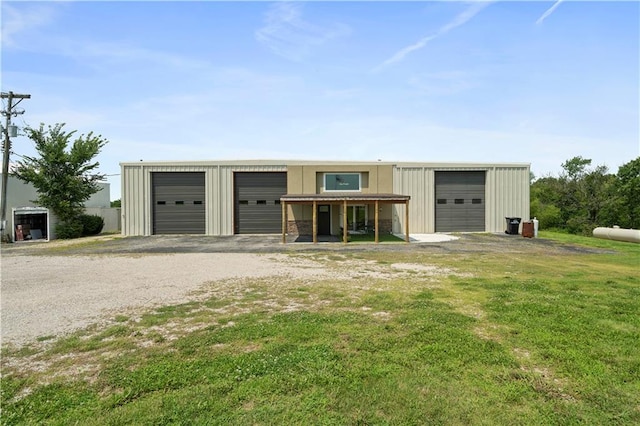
460	201
178	203
257	202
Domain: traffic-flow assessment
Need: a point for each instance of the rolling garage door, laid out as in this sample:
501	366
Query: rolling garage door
178	203
257	202
460	201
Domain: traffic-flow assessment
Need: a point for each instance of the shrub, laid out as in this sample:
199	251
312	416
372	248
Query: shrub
69	230
579	226
547	214
91	224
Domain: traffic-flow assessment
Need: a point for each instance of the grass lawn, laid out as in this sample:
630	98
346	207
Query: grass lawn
370	238
545	337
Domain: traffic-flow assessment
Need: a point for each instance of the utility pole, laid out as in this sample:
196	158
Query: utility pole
7	150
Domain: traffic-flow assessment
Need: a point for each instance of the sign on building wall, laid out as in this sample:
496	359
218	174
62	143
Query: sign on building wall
342	182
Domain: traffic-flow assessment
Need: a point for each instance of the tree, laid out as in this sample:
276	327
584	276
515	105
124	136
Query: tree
574	169
585	195
64	174
545	198
598	187
627	185
572	193
580	199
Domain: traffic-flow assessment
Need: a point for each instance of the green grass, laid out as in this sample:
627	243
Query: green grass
545	337
370	238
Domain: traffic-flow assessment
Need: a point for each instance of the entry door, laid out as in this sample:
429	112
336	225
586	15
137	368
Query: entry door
324	219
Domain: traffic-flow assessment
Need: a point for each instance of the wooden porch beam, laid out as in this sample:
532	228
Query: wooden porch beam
375	224
345	232
284	222
315	222
406	221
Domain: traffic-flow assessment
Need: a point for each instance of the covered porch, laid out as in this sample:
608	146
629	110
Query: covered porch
343	200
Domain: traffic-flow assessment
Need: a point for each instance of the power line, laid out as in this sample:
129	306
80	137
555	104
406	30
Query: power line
8	113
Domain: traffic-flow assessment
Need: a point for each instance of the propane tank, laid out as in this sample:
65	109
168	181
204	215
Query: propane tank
535	227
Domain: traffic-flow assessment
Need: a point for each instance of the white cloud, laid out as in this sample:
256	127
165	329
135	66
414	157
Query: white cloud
459	20
24	28
18	22
287	34
548	12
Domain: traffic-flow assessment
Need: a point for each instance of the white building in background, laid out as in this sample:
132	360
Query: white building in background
37	222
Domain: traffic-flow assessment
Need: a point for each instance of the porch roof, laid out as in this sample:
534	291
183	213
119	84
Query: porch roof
344	196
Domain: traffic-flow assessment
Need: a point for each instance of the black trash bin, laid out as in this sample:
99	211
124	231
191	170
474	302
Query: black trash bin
513	225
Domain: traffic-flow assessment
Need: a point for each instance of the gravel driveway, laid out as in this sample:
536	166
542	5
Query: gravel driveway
50	295
53	288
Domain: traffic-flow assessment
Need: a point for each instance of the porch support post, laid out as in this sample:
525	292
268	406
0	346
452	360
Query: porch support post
406	221
315	221
284	222
344	223
376	228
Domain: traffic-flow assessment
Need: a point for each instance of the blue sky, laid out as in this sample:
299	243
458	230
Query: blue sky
505	81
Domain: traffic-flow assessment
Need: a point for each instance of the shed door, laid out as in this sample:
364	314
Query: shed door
257	202
460	201
178	203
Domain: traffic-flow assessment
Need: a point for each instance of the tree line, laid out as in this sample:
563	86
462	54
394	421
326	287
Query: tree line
584	197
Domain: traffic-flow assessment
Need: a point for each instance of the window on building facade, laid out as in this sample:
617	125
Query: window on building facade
357	218
342	182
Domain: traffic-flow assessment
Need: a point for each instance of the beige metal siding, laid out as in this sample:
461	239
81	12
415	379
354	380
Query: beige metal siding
133	200
416	182
212	196
225	189
136	193
506	187
507	196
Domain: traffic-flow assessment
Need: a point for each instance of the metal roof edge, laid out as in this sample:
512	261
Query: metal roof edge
436	165
275	163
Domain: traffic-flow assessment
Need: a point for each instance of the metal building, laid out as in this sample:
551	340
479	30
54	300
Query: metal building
461	197
247	197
